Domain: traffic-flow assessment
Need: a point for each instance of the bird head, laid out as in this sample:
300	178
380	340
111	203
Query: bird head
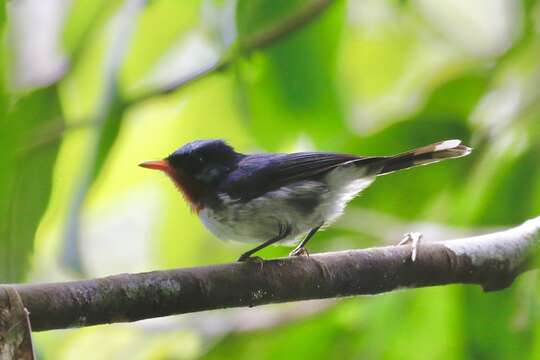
197	167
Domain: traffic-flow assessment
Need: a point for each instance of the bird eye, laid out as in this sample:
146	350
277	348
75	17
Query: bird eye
200	159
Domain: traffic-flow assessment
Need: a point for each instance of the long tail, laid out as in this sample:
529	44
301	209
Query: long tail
448	149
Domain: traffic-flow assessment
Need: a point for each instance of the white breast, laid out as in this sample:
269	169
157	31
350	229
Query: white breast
259	219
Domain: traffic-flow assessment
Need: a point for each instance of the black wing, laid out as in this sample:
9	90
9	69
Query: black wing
257	174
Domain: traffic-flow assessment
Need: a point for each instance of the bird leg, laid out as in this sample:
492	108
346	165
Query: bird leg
283	232
300	249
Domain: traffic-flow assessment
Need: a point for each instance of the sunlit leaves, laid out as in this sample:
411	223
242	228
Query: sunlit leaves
365	77
25	187
30	125
359	328
407	193
162	25
289	88
84	18
106	116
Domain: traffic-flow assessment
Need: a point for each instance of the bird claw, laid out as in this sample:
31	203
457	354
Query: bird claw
299	252
251	259
414	239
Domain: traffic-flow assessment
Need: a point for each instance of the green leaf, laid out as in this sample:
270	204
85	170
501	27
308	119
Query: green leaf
407	193
109	133
85	16
443	117
503	194
253	16
106	135
497	312
456	98
25	187
108	49
161	25
289	87
29	126
359	329
2	12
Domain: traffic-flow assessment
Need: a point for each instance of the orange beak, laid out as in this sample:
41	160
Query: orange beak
162	165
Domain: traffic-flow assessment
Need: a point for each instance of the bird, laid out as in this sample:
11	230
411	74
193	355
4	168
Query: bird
284	198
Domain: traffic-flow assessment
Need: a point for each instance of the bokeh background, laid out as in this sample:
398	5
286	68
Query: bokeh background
93	87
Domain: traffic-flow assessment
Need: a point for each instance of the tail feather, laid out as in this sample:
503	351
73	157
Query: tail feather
448	149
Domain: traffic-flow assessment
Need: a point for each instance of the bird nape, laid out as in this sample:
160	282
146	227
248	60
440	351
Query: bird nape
276	197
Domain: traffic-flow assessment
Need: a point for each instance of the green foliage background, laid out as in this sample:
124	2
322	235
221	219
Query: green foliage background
90	100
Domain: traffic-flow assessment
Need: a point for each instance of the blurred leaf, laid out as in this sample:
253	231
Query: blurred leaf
85	17
25	189
106	117
254	16
34	49
432	314
408	86
289	88
456	98
25	183
407	193
320	337
460	23
161	25
361	328
505	194
108	133
81	90
373	62
488	330
526	33
2	12
443	117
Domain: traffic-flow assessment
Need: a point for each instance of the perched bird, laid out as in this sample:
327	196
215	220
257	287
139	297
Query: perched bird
271	198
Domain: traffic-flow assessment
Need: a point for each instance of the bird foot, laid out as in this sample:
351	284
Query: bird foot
257	260
412	238
299	252
249	258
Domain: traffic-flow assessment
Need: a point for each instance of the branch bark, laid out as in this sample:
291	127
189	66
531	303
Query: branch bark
492	261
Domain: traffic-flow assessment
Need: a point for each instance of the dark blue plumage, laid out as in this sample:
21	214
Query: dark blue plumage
272	198
208	160
248	176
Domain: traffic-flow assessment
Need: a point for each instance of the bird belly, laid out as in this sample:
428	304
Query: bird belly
293	206
300	206
344	184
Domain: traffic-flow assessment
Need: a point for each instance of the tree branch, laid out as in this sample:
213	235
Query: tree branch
492	261
294	22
